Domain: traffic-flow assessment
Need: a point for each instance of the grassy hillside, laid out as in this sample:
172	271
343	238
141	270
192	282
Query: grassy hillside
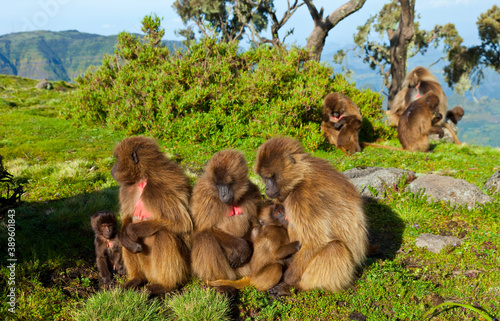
60	55
65	171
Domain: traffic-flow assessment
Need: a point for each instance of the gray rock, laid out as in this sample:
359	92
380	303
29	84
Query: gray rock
448	189
435	243
493	183
378	178
44	84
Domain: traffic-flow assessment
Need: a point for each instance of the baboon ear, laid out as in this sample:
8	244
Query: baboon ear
292	159
135	158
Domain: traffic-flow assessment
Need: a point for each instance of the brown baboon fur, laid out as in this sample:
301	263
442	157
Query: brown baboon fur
222	225
335	107
271	249
455	114
418	122
325	214
156	223
108	249
347	140
417	83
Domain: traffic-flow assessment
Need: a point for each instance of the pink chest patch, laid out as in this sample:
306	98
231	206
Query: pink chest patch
235	210
336	119
140	212
109	244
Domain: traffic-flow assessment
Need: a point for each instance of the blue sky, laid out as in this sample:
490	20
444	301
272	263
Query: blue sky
108	17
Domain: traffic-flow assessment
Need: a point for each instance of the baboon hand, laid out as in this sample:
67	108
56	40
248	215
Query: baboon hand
240	254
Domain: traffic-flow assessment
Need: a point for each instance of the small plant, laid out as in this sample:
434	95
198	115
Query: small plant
120	305
199	303
10	194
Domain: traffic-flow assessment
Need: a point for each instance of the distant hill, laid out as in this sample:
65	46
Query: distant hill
62	55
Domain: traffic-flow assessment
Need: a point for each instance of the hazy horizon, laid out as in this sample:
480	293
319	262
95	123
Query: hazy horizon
95	17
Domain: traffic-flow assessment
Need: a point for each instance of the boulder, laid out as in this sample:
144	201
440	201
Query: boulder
448	189
44	84
435	243
378	178
493	183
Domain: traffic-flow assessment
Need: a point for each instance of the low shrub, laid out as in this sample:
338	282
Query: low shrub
214	95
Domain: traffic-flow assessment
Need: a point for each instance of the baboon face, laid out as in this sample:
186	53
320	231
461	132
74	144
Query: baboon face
334	105
133	154
455	114
104	224
277	165
228	172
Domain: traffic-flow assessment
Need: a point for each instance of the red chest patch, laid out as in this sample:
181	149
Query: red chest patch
235	210
140	212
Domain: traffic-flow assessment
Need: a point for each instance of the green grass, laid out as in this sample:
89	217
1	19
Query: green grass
65	170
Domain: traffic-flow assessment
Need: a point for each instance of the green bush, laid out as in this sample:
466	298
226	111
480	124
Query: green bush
212	94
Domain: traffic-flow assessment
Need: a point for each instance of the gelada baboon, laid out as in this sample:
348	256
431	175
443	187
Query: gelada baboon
336	107
347	140
224	206
455	114
108	250
156	223
418	122
325	214
417	83
271	249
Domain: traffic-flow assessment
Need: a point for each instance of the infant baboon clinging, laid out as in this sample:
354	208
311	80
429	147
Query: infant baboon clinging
418	122
224	206
325	214
417	83
335	108
156	223
271	250
108	250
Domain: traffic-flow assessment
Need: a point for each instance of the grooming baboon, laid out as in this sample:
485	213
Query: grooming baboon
156	223
224	206
108	250
418	122
325	214
347	140
417	83
335	107
271	249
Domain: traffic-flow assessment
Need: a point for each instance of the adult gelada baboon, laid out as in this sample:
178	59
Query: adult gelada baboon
347	140
336	107
418	122
224	205
417	83
325	214
156	223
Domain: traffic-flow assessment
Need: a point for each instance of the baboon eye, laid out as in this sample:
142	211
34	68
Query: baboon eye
135	158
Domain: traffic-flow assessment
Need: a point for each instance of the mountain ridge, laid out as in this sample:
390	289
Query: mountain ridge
55	55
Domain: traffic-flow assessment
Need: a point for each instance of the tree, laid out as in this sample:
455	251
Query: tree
322	26
396	20
467	65
230	18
